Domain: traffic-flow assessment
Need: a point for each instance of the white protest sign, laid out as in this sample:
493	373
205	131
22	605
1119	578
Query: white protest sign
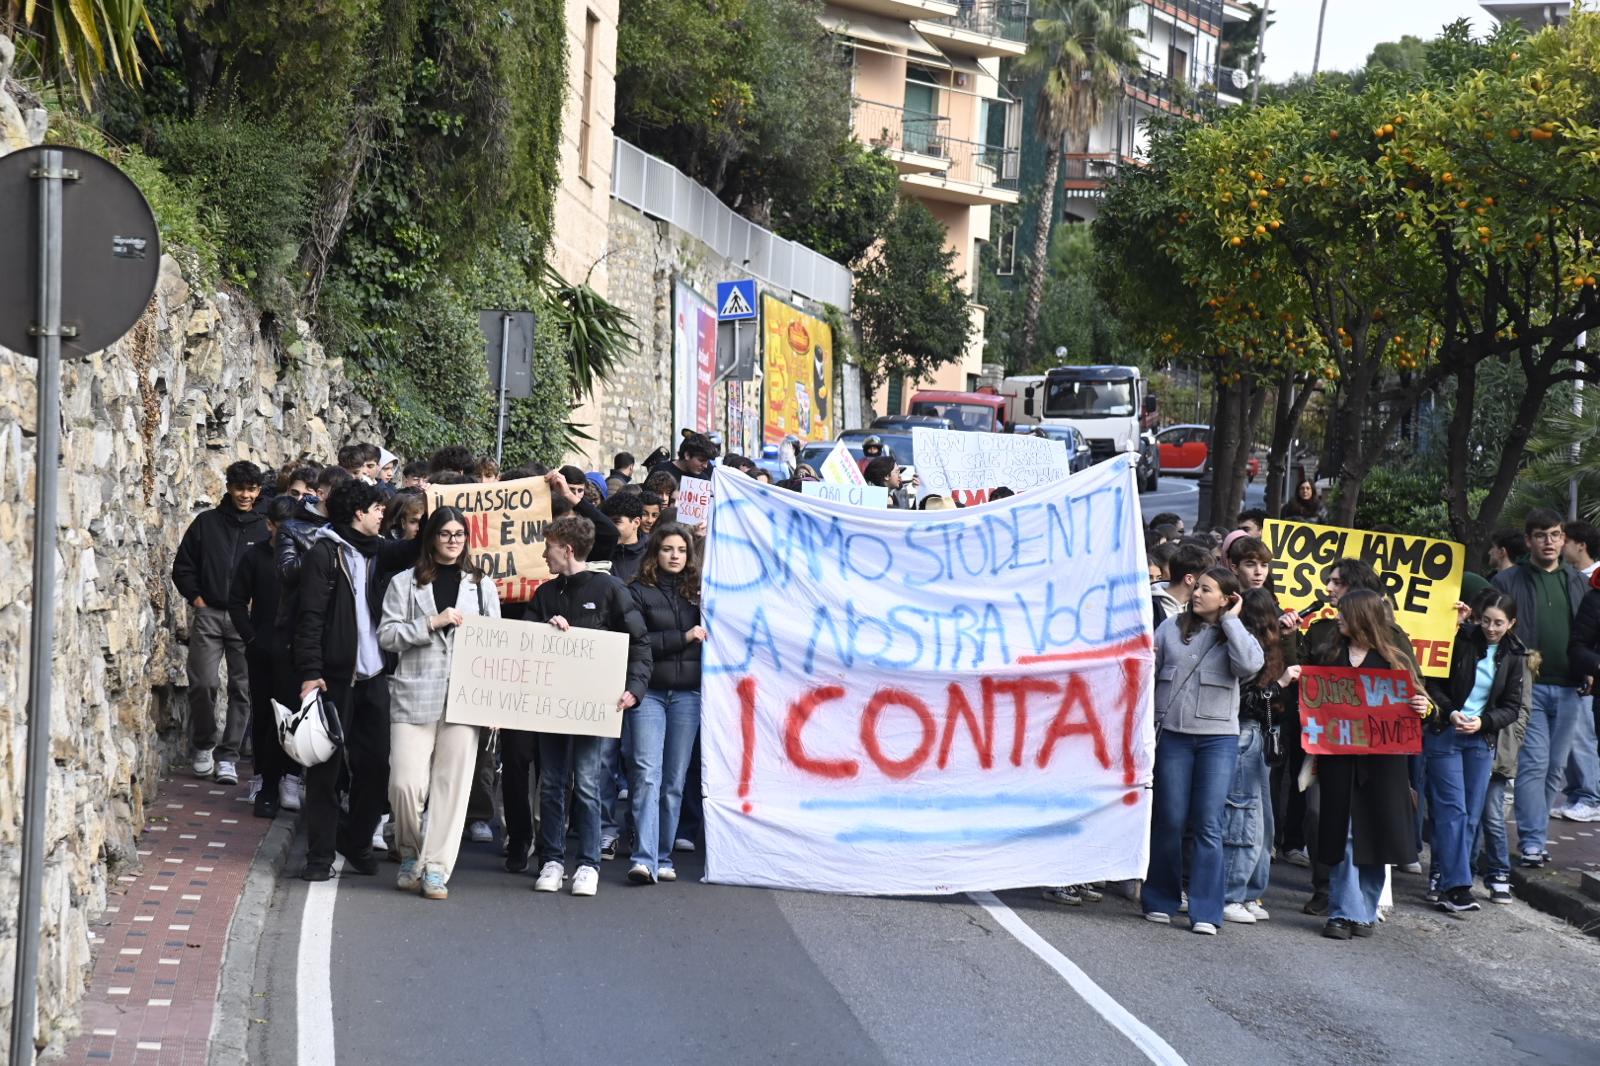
903	702
855	495
840	467
531	676
965	467
694	500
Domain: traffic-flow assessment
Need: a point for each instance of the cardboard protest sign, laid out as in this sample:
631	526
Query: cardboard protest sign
1348	711
854	495
505	530
841	468
528	675
903	702
694	500
1421	576
965	467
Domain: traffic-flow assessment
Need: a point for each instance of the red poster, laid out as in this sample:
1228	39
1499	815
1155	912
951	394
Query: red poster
705	368
1348	711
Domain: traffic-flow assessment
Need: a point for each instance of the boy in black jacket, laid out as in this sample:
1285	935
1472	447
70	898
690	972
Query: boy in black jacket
336	650
203	571
585	599
253	607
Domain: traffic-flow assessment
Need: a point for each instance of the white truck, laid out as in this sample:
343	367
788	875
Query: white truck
1107	404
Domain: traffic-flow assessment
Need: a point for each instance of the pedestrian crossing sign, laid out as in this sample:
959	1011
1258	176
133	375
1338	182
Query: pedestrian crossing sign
736	300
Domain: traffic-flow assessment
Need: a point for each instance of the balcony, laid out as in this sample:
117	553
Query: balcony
982	29
905	10
977	174
1084	174
913	140
1202	14
1168	94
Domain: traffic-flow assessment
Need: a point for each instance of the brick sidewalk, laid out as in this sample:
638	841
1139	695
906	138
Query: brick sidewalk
1557	887
159	947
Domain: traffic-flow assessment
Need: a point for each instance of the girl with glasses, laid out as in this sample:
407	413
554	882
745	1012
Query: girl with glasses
431	761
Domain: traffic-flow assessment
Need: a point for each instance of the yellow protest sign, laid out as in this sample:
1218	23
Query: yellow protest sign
797	369
1421	576
505	530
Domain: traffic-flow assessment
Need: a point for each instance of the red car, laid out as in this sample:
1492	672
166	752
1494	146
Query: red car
1184	450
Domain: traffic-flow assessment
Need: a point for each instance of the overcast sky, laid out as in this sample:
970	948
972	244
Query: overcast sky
1352	28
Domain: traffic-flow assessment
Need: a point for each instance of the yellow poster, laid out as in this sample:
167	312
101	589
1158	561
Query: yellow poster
1421	576
797	364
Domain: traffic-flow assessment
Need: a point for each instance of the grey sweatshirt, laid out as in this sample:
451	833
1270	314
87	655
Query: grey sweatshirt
1197	684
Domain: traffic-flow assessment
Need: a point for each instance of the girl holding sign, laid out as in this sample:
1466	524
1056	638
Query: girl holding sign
662	729
431	761
1201	656
1482	696
1366	819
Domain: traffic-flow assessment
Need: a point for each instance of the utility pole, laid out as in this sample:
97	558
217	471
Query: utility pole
1316	57
1261	40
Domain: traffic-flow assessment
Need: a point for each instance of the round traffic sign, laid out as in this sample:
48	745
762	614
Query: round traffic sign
110	251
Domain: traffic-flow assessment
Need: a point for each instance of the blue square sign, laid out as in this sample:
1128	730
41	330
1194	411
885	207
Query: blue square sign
736	300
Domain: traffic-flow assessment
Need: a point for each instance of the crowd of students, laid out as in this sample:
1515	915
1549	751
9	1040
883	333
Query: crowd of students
338	579
1232	785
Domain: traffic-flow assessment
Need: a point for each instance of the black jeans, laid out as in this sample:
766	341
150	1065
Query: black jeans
363	709
270	761
519	763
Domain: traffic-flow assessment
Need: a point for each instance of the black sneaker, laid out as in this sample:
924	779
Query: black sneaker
1458	900
608	848
1338	929
266	804
516	858
1499	892
356	860
1317	905
1362	929
1433	895
1532	860
316	872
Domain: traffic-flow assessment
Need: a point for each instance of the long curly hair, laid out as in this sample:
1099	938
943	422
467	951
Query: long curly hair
650	567
1369	622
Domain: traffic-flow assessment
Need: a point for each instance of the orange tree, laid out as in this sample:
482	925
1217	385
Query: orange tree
1496	180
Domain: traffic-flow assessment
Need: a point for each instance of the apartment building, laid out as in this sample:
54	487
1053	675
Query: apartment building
1181	71
925	81
1532	15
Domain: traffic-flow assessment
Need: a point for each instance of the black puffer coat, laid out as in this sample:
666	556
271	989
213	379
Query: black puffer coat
667	617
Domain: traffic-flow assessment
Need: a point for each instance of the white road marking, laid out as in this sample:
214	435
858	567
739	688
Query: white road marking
314	990
1116	1015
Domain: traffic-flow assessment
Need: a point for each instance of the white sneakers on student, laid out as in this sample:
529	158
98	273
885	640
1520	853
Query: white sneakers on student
551	874
585	881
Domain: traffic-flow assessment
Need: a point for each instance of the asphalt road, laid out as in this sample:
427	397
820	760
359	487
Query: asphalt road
1181	496
695	973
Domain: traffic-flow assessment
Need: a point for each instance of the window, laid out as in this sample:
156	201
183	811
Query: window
586	111
897	387
1178	65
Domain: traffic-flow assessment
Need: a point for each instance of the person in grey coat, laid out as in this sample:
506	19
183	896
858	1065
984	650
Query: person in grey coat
431	761
1201	656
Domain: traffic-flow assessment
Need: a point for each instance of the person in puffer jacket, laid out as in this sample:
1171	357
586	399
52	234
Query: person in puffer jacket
662	729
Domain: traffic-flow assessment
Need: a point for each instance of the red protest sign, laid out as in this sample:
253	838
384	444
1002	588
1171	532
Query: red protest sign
1349	711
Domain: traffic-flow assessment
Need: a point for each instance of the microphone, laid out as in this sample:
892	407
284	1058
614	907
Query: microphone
1313	607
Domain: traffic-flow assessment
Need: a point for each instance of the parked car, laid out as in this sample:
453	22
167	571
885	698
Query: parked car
909	422
1078	457
1184	450
896	446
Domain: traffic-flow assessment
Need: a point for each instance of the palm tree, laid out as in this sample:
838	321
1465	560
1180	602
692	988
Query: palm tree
1082	48
71	41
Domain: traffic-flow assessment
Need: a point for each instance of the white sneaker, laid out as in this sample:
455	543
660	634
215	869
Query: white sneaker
289	793
1183	903
227	773
203	765
255	788
666	873
1256	910
1412	868
683	844
551	874
585	881
1237	912
1561	811
1583	812
480	833
1203	928
379	842
1297	857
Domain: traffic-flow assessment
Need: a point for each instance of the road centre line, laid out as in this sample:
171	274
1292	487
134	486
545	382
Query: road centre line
1116	1015
313	969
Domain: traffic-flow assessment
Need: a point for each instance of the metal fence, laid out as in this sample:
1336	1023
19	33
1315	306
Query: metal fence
662	191
982	164
894	129
1005	19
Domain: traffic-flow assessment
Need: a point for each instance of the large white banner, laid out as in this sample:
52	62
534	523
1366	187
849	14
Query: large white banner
966	466
927	702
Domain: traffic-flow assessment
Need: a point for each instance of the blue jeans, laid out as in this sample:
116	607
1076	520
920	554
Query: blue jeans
1247	822
662	731
1458	779
1583	765
560	757
1495	862
1542	762
1192	776
1353	891
610	760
